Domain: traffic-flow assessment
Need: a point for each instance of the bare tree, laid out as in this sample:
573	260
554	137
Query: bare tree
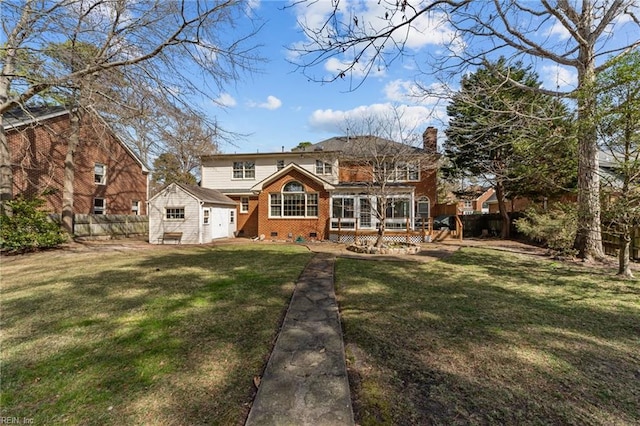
517	29
187	48
385	157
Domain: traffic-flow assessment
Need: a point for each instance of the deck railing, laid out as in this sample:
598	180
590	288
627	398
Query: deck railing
350	231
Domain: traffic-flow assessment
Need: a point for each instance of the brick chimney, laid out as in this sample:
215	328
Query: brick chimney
430	140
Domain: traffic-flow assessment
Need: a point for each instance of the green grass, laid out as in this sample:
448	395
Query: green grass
162	336
488	337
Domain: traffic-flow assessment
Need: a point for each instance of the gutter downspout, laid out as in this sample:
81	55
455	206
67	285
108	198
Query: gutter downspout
201	222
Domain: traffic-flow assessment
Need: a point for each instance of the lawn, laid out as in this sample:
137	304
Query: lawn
160	336
488	337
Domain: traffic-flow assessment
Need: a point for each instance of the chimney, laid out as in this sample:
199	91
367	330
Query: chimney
430	140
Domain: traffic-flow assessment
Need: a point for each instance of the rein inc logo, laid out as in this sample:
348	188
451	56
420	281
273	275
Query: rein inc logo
16	421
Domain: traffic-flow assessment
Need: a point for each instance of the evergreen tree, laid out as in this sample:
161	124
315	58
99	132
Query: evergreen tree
505	134
618	122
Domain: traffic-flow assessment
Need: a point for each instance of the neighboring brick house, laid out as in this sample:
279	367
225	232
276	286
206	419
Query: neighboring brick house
109	177
314	191
474	200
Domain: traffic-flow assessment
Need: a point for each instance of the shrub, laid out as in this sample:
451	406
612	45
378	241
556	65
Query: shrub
555	228
27	228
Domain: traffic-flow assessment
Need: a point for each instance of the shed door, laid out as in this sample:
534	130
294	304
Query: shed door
219	223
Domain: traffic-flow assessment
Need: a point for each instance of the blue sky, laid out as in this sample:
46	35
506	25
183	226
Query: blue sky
279	108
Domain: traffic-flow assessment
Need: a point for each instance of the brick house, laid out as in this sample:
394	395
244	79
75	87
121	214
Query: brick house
109	177
312	193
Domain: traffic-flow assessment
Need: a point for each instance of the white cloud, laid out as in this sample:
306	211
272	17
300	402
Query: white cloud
558	30
226	100
405	91
271	103
411	117
427	29
556	77
335	66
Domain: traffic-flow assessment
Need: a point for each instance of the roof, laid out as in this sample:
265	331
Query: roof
360	146
23	116
206	195
282	172
472	192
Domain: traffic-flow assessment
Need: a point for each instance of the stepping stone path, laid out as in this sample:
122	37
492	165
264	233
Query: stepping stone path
305	381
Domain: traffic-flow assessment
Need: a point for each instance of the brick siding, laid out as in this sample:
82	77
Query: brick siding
38	153
285	228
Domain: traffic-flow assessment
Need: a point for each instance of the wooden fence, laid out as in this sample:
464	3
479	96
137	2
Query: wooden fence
108	225
611	242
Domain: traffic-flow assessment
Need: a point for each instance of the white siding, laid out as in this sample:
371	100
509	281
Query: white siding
217	174
158	224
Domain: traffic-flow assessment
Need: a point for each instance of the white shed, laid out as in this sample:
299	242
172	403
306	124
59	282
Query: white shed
189	214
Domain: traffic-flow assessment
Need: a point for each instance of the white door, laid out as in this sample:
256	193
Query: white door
219	223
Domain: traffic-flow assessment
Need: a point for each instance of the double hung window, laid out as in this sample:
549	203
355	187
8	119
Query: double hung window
244	170
323	168
99	206
100	174
244	204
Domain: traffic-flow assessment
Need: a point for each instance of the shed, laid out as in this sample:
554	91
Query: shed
190	214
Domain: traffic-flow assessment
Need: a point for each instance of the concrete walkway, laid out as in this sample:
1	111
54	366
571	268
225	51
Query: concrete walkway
305	382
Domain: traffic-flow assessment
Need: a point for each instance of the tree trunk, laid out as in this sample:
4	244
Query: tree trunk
381	214
6	174
502	206
624	264
69	171
588	240
381	231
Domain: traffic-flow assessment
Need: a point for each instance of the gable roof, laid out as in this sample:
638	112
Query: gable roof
206	195
284	171
361	145
24	116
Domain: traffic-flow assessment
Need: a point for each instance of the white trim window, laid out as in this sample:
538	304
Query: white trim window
206	215
293	201
135	207
244	204
174	213
423	211
99	206
244	170
100	174
400	171
279	164
398	210
323	168
232	217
